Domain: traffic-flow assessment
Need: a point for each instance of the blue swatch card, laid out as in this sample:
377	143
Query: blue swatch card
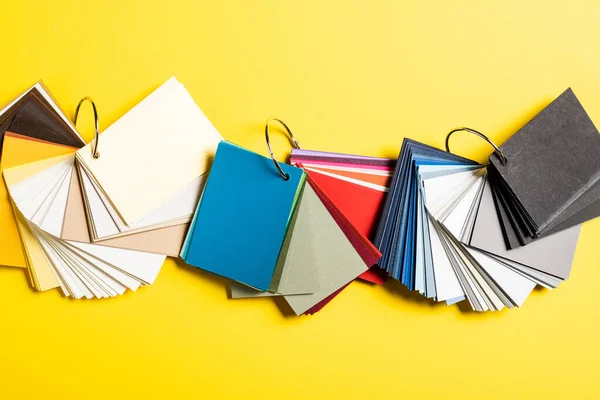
243	215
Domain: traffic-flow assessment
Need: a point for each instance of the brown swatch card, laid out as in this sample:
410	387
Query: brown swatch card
32	115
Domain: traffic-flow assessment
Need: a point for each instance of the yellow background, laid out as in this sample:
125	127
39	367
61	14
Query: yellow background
348	76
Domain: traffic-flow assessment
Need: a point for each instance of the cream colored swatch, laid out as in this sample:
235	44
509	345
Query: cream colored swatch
150	153
104	222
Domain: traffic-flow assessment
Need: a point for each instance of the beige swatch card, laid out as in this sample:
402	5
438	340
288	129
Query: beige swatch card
166	241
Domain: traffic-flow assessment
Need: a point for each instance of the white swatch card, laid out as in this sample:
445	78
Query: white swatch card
156	149
80	270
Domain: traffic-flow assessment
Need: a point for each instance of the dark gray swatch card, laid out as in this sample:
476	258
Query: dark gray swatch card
553	168
511	233
587	206
515	237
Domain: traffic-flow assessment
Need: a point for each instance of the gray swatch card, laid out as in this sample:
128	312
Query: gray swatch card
552	255
553	169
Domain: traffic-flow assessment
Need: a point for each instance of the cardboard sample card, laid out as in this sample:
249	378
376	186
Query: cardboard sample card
161	145
243	216
38	192
553	172
337	262
295	272
353	188
552	255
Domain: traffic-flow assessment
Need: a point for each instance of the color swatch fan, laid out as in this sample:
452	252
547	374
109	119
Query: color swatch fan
559	150
448	226
151	165
273	234
354	189
35	115
73	236
129	199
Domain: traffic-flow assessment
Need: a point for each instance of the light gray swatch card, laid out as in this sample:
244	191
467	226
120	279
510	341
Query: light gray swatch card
336	261
552	254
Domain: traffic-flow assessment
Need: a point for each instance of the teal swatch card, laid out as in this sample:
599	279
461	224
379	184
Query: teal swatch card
242	218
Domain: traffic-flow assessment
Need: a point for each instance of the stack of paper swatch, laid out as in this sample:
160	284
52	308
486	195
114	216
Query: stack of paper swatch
354	189
97	226
453	229
288	237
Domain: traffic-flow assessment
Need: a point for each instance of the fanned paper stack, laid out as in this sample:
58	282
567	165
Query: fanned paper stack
33	115
95	220
453	230
96	227
295	234
439	229
354	189
281	240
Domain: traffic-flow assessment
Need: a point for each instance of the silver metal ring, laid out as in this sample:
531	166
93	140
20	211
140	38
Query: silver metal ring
95	152
498	152
285	176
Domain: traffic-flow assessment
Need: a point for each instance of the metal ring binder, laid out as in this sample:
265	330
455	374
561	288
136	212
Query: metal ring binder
294	142
95	152
501	156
